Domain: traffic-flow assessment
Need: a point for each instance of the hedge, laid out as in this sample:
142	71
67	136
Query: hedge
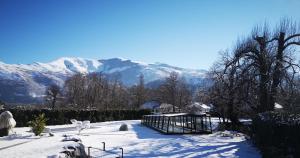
277	134
59	117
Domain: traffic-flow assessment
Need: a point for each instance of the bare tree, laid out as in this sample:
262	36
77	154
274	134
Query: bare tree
224	92
138	93
168	90
75	90
184	94
261	64
53	93
175	91
95	90
287	35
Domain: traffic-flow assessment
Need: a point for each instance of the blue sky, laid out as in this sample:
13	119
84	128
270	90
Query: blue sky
185	33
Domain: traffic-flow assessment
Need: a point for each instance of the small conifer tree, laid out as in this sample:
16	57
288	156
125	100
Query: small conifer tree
38	124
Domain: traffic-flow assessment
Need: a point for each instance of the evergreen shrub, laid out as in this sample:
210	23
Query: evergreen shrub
38	124
60	117
277	134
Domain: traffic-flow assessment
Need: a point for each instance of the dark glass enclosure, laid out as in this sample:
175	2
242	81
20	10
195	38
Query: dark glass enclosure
179	123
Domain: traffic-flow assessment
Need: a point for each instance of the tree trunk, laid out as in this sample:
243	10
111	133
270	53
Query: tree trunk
53	103
277	71
263	91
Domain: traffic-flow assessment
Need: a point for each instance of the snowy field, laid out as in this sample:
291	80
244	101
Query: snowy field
139	141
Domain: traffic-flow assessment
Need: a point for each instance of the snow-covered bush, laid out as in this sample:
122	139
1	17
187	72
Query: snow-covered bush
123	127
75	151
7	123
38	124
81	125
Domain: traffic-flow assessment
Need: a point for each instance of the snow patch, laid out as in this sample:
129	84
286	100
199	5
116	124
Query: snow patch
138	141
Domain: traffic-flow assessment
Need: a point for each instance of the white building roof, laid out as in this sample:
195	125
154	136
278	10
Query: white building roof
199	106
278	106
165	106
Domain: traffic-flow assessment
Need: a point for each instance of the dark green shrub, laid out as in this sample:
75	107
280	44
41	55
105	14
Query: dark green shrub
38	124
123	127
277	134
4	132
60	117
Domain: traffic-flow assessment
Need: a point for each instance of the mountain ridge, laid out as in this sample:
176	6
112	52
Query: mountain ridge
27	82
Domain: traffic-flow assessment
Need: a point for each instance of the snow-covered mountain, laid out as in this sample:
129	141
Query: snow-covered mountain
23	83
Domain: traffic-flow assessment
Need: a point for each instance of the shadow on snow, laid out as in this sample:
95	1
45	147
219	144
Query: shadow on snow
187	145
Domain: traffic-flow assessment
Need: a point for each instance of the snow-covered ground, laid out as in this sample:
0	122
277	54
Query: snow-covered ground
139	141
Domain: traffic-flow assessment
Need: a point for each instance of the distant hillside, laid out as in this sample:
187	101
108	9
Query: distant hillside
26	83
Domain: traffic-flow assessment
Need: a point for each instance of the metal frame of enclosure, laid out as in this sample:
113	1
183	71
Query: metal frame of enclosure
180	123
